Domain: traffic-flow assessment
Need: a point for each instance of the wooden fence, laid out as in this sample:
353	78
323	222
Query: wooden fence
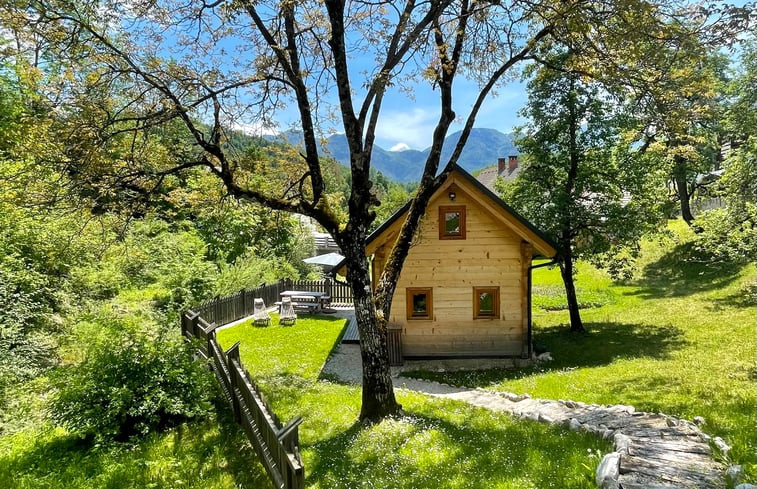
340	292
276	445
225	310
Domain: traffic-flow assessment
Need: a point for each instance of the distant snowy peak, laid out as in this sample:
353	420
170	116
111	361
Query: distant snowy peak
402	164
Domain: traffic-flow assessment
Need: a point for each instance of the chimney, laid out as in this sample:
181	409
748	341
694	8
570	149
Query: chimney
512	163
500	165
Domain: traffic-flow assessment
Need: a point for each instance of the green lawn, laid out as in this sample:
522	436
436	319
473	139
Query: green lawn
436	444
679	338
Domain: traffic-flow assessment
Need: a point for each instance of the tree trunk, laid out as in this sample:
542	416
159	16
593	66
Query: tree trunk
378	391
682	187
566	261
566	270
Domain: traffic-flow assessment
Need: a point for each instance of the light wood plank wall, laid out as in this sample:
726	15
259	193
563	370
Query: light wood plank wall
491	255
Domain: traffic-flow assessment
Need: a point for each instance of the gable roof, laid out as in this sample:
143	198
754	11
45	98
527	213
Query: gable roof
488	176
542	243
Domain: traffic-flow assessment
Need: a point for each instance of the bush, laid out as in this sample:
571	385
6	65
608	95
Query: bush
132	381
249	271
28	329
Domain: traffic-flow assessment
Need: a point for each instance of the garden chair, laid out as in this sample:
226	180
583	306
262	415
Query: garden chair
260	316
286	312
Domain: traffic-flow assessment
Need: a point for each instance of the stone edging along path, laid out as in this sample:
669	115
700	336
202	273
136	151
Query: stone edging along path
652	451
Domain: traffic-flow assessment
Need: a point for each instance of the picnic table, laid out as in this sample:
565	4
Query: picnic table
304	299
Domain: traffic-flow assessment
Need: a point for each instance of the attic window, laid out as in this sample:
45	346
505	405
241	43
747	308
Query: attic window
419	303
485	302
452	222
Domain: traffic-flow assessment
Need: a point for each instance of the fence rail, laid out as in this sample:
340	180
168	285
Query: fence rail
276	445
225	310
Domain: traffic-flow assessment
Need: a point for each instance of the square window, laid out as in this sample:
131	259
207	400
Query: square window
452	222
485	302
419	303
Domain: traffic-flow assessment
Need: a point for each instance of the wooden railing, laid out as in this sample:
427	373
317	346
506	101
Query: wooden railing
225	310
276	445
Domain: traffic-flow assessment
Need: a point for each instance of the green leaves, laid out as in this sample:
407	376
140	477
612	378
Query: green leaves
133	380
583	181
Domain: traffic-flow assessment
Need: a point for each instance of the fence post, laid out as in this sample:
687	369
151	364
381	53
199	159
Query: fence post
243	312
210	336
232	354
193	320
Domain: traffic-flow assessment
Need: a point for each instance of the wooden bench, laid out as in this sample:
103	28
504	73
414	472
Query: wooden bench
310	307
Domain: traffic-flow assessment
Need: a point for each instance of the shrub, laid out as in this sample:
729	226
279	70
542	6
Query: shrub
131	381
28	330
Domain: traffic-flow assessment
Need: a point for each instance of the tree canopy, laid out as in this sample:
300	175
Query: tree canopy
580	182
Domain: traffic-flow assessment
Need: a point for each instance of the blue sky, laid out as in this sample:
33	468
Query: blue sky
411	122
407	122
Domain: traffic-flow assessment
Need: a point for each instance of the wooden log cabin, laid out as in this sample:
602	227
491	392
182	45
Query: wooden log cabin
464	290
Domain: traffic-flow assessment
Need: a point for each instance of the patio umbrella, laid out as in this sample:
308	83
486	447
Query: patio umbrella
326	261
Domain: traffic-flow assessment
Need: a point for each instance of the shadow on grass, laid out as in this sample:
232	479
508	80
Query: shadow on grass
746	296
197	454
684	271
606	342
480	450
602	344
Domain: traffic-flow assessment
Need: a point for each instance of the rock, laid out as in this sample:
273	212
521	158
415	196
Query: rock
511	396
721	445
734	474
574	424
607	433
745	486
545	419
699	420
608	471
671	422
571	404
622	442
589	428
622	408
544	357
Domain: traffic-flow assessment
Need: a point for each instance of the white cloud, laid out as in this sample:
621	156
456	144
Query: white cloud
414	128
399	147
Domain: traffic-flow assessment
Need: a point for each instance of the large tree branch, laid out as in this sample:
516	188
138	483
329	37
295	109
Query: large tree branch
289	59
487	88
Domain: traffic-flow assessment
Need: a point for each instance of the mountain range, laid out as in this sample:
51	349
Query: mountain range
483	148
